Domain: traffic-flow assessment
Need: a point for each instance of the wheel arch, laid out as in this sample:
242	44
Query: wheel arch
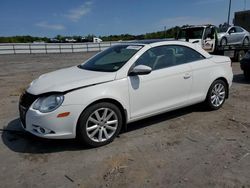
227	84
112	101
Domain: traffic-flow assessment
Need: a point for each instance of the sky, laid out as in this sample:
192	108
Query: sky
108	17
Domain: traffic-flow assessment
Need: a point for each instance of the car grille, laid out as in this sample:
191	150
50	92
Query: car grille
26	100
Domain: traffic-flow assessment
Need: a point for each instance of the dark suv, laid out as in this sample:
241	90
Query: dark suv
245	65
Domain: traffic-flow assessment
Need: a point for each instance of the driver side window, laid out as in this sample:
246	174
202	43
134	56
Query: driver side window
146	59
232	30
209	33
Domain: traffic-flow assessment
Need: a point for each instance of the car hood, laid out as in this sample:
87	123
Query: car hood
68	79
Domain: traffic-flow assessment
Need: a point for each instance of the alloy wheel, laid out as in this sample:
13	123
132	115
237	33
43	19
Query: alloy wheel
102	124
218	95
246	42
223	42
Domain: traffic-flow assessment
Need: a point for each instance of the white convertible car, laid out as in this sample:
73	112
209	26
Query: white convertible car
125	83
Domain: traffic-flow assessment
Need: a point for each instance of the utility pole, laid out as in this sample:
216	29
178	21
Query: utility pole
165	31
245	4
229	12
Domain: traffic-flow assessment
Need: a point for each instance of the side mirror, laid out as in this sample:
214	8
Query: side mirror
140	70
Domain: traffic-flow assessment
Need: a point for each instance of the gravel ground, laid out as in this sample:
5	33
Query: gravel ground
190	147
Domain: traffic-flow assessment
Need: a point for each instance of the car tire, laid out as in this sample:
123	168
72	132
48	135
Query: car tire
216	95
99	124
246	41
223	41
247	75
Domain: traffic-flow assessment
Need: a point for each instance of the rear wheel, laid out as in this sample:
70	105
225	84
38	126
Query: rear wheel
216	95
246	41
99	124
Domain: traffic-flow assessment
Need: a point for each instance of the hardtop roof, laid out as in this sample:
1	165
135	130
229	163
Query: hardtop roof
147	41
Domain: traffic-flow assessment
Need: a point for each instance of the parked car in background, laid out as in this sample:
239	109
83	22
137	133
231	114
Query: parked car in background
38	42
122	84
54	40
233	35
209	38
245	65
70	40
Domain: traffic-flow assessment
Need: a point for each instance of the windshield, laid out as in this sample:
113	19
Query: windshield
112	59
222	28
191	33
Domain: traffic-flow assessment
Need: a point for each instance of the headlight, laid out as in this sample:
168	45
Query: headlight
48	103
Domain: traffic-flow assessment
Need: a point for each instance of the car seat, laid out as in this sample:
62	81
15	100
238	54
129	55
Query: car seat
166	59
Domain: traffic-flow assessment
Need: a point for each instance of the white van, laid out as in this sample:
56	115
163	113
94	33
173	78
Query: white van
97	40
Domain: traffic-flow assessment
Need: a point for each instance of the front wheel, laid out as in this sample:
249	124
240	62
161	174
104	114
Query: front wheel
99	124
223	42
216	95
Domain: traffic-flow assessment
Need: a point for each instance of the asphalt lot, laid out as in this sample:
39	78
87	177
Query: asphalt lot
190	147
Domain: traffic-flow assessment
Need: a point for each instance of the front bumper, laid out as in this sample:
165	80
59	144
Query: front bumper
48	125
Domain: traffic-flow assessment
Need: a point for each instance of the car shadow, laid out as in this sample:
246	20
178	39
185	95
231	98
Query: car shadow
239	78
17	140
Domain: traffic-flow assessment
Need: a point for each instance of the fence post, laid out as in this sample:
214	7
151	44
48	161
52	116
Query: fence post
100	47
87	47
30	47
14	49
46	49
60	48
72	48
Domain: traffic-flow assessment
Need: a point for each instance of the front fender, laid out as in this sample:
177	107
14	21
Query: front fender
108	90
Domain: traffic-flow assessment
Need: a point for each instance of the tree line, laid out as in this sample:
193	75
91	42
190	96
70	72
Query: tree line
170	33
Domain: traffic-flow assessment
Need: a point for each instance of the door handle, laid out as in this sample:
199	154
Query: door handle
187	76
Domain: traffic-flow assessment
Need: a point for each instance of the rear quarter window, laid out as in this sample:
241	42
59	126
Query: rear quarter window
185	54
238	30
168	56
